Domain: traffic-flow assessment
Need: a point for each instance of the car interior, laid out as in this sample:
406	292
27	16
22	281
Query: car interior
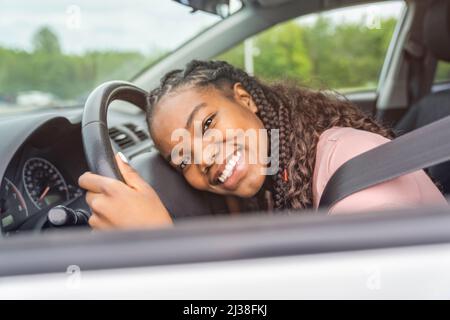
432	106
55	147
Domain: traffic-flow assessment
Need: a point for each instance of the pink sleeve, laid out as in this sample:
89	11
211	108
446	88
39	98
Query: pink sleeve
338	145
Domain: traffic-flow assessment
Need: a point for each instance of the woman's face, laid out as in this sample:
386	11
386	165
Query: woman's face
217	141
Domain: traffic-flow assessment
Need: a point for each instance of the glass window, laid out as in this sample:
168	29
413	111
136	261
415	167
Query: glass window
442	72
53	52
340	49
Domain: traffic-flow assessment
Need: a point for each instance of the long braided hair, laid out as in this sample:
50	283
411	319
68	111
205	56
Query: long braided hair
300	114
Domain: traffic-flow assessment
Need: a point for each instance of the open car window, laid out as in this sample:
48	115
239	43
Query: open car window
342	49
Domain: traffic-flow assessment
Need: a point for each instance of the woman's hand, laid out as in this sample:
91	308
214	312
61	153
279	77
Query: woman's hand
114	204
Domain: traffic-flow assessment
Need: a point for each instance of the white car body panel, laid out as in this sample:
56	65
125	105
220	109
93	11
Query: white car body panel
398	273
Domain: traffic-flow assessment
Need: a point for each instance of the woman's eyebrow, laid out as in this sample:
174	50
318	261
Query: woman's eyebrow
193	113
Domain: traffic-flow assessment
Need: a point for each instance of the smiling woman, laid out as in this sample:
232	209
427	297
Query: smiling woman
56	51
318	132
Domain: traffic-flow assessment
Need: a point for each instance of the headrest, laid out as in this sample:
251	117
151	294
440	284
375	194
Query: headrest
437	29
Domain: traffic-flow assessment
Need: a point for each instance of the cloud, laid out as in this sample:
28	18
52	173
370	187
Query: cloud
102	24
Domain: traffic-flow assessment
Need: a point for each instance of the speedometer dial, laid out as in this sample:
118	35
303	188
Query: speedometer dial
43	183
13	209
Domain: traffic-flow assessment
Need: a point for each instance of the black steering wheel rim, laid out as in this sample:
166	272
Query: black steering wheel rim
94	125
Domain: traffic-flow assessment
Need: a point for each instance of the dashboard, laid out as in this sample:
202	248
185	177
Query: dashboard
43	173
41	158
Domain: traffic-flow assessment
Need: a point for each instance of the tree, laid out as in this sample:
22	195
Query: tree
323	54
442	71
67	76
46	41
282	54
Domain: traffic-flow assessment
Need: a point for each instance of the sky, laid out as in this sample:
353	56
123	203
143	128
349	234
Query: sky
142	25
368	12
80	24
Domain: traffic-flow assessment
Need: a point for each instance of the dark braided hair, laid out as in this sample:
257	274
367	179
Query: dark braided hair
300	114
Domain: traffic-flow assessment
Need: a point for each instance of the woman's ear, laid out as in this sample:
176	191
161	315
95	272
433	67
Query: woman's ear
244	98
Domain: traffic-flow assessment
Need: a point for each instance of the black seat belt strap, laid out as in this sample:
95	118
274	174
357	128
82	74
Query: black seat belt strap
418	149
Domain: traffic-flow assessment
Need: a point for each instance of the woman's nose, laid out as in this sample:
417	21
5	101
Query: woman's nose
208	162
208	157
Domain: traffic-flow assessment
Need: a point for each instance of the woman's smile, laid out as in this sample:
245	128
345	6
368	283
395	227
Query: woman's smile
231	172
227	168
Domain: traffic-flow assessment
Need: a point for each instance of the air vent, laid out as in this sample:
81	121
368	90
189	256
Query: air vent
141	134
121	138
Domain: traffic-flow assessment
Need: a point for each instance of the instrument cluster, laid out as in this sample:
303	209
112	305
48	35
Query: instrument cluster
43	173
41	185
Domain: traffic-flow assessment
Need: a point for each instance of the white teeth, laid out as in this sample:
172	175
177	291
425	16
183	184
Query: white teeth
229	167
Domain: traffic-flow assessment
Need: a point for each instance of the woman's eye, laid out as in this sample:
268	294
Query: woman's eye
207	124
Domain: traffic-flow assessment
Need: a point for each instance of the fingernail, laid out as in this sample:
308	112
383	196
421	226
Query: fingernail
122	157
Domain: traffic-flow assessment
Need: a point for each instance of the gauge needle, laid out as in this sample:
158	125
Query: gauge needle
46	190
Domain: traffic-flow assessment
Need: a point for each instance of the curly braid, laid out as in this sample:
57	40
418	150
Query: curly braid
300	115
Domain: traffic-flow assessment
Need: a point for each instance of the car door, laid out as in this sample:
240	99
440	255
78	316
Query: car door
398	254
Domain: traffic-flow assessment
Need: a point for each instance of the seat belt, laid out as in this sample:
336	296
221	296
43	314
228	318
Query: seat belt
418	149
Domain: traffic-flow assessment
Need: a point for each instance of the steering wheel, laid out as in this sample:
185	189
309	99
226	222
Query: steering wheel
177	195
94	126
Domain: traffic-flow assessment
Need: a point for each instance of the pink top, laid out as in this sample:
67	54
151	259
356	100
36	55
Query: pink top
337	145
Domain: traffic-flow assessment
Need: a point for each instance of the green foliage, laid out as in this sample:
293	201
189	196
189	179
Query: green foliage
46	41
322	54
67	76
280	56
234	56
442	71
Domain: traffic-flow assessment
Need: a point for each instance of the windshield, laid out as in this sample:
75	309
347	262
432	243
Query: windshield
54	52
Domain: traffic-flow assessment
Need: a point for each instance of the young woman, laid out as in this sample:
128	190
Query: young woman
317	133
